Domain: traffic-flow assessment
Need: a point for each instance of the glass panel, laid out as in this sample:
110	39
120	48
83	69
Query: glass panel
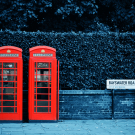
42	84
43	103
49	97
15	97
39	78
9	78
42	90
8	109
9	90
34	96
15	109
8	97
8	103
35	90
45	97
50	65
0	71
43	71
34	103
42	109
9	71
42	65
42	78
0	103
0	84
50	84
35	64
9	84
0	78
0	90
35	71
9	65
50	71
0	109
0	65
15	103
0	96
49	109
45	78
34	109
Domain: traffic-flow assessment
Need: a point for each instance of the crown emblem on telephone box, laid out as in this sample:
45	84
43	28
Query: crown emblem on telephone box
8	51
42	51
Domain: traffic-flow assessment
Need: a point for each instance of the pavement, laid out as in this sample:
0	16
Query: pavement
71	127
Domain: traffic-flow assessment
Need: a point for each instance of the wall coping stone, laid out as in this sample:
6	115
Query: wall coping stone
96	92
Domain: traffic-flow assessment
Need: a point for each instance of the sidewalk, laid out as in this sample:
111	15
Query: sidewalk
71	127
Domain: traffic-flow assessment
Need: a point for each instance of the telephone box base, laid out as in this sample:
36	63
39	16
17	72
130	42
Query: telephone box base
11	121
43	121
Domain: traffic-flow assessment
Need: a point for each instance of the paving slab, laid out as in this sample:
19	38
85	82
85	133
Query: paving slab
71	127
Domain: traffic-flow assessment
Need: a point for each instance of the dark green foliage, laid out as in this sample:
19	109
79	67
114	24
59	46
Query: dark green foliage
68	15
87	60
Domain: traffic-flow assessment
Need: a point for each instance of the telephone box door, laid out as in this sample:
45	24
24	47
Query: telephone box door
43	89
10	83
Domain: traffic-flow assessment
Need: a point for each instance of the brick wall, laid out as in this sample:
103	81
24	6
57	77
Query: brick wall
96	104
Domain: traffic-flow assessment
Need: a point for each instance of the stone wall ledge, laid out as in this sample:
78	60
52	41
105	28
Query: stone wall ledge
96	92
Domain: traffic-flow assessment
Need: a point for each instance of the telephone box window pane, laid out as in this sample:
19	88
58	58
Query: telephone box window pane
9	65
0	84
9	84
43	103
42	65
35	64
34	90
8	97
45	78
49	109
0	65
0	103
34	96
0	109
42	78
0	78
10	71
8	109
44	97
42	84
0	90
9	90
42	90
0	71
9	78
15	103
43	71
0	96
15	97
34	109
8	103
39	78
15	109
42	109
50	65
34	103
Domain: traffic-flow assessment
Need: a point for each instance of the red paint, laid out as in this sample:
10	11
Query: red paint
43	92
11	83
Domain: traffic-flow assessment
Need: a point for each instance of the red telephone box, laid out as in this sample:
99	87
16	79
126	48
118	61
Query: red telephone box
11	78
43	84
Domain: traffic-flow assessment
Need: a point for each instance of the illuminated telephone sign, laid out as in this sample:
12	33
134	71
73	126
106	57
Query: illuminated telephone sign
11	79
43	84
